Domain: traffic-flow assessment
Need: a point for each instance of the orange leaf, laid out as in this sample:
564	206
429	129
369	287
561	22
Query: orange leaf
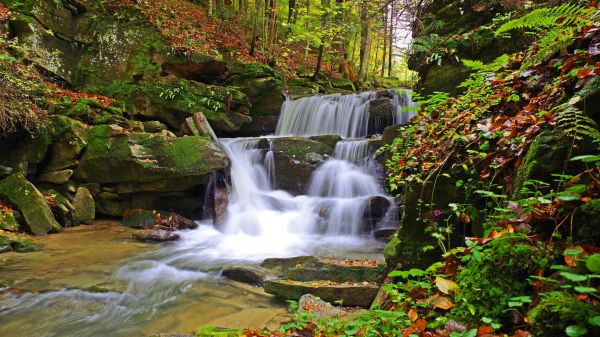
421	324
484	330
413	315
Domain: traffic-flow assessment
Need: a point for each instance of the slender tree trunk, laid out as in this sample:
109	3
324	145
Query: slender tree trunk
385	41
291	11
391	39
326	4
255	32
307	27
365	42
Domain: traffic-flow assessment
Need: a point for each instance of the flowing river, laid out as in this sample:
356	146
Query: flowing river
95	281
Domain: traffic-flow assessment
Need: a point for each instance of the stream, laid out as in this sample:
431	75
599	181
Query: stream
95	281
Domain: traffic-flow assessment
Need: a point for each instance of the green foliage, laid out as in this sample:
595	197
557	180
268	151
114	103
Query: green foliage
544	18
575	123
493	283
558	314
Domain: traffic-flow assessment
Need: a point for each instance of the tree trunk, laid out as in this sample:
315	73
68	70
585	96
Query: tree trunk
391	39
365	42
326	4
385	36
255	32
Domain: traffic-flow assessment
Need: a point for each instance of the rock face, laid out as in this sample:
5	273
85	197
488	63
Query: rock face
245	274
30	203
460	18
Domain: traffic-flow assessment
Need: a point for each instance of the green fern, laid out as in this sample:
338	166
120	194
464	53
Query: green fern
575	123
544	17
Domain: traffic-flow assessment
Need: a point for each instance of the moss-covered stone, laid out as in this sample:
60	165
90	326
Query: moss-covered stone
556	312
8	222
84	207
295	159
30	203
360	294
587	223
212	331
117	156
325	270
17	243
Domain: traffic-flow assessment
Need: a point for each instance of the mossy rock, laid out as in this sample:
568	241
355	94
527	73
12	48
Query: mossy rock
212	331
557	311
360	294
294	159
8	222
246	274
140	218
587	222
51	143
31	204
84	207
282	265
115	155
171	100
17	243
424	201
61	207
320	269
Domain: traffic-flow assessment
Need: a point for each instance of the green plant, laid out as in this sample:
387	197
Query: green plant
575	123
562	15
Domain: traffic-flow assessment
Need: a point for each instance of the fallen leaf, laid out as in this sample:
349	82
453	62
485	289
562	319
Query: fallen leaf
443	302
413	315
446	286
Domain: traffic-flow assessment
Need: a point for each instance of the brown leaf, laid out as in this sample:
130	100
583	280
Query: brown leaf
446	286
443	302
484	330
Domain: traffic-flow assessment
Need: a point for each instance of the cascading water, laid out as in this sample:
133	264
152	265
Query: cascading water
260	222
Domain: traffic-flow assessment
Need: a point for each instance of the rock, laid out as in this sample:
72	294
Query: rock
316	306
56	177
5	171
587	222
360	294
154	126
172	335
8	221
335	270
297	157
30	203
171	164
61	207
140	218
282	265
211	331
221	201
84	207
245	274
375	210
17	243
264	91
157	235
384	233
381	115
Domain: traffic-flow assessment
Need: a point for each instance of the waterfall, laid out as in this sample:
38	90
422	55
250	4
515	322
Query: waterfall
404	106
344	115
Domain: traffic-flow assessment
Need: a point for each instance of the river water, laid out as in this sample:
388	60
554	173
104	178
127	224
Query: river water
94	281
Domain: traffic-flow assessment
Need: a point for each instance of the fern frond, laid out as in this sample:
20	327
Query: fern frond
544	17
575	123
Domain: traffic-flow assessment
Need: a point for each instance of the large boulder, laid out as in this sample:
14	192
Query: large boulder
246	274
155	235
30	203
336	270
158	161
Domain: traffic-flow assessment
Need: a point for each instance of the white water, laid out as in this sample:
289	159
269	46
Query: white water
344	115
261	222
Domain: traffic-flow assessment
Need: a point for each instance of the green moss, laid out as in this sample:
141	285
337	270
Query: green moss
211	331
8	221
556	311
17	243
501	273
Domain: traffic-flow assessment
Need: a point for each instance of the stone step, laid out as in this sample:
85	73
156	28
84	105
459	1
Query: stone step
345	293
336	270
